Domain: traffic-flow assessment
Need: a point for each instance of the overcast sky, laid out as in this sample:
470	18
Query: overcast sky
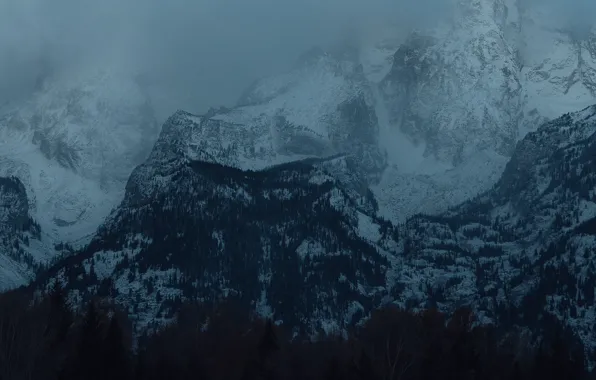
198	52
201	52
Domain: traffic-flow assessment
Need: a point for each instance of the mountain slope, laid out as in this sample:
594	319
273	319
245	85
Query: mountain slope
457	89
526	245
77	141
467	90
18	235
417	114
296	243
321	107
292	241
559	61
270	198
73	145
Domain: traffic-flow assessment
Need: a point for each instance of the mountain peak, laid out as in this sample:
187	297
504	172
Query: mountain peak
73	144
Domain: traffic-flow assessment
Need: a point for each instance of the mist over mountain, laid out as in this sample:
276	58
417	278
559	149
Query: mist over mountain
314	160
573	17
196	53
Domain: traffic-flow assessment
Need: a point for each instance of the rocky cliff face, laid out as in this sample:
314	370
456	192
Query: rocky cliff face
558	58
469	84
73	145
18	235
322	107
457	89
465	92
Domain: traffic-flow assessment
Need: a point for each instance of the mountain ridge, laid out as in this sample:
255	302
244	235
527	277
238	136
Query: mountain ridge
315	203
294	201
369	101
526	243
510	263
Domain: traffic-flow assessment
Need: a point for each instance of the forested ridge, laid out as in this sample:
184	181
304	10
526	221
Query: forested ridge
46	339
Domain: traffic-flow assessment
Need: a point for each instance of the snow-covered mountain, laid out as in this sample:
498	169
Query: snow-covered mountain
302	241
292	240
558	62
322	107
423	114
73	145
467	91
283	199
523	249
468	84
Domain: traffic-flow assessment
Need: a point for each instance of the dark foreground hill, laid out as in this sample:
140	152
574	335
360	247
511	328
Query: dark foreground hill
49	341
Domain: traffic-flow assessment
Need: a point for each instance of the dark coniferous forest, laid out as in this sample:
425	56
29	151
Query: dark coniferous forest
45	339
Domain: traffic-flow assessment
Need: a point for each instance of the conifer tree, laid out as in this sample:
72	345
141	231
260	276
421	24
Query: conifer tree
365	369
516	373
333	370
268	343
116	354
87	362
260	368
61	317
140	371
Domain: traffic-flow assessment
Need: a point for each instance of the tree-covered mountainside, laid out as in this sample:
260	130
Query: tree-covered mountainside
524	249
18	231
302	243
298	242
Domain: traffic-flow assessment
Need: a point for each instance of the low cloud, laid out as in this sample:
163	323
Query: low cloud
575	17
197	52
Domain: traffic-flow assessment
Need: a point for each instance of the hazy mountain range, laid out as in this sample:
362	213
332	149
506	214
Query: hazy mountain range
449	167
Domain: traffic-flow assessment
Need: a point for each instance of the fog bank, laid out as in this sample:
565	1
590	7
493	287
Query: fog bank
195	53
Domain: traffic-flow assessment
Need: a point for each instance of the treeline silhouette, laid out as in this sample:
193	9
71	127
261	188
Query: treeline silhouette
46	340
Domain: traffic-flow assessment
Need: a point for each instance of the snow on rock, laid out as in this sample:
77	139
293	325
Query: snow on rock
459	97
559	66
521	245
283	235
456	87
73	145
19	236
320	108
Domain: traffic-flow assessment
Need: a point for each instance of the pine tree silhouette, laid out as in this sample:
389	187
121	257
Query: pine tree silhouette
261	367
140	372
516	372
61	317
365	369
88	364
269	342
333	370
116	354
